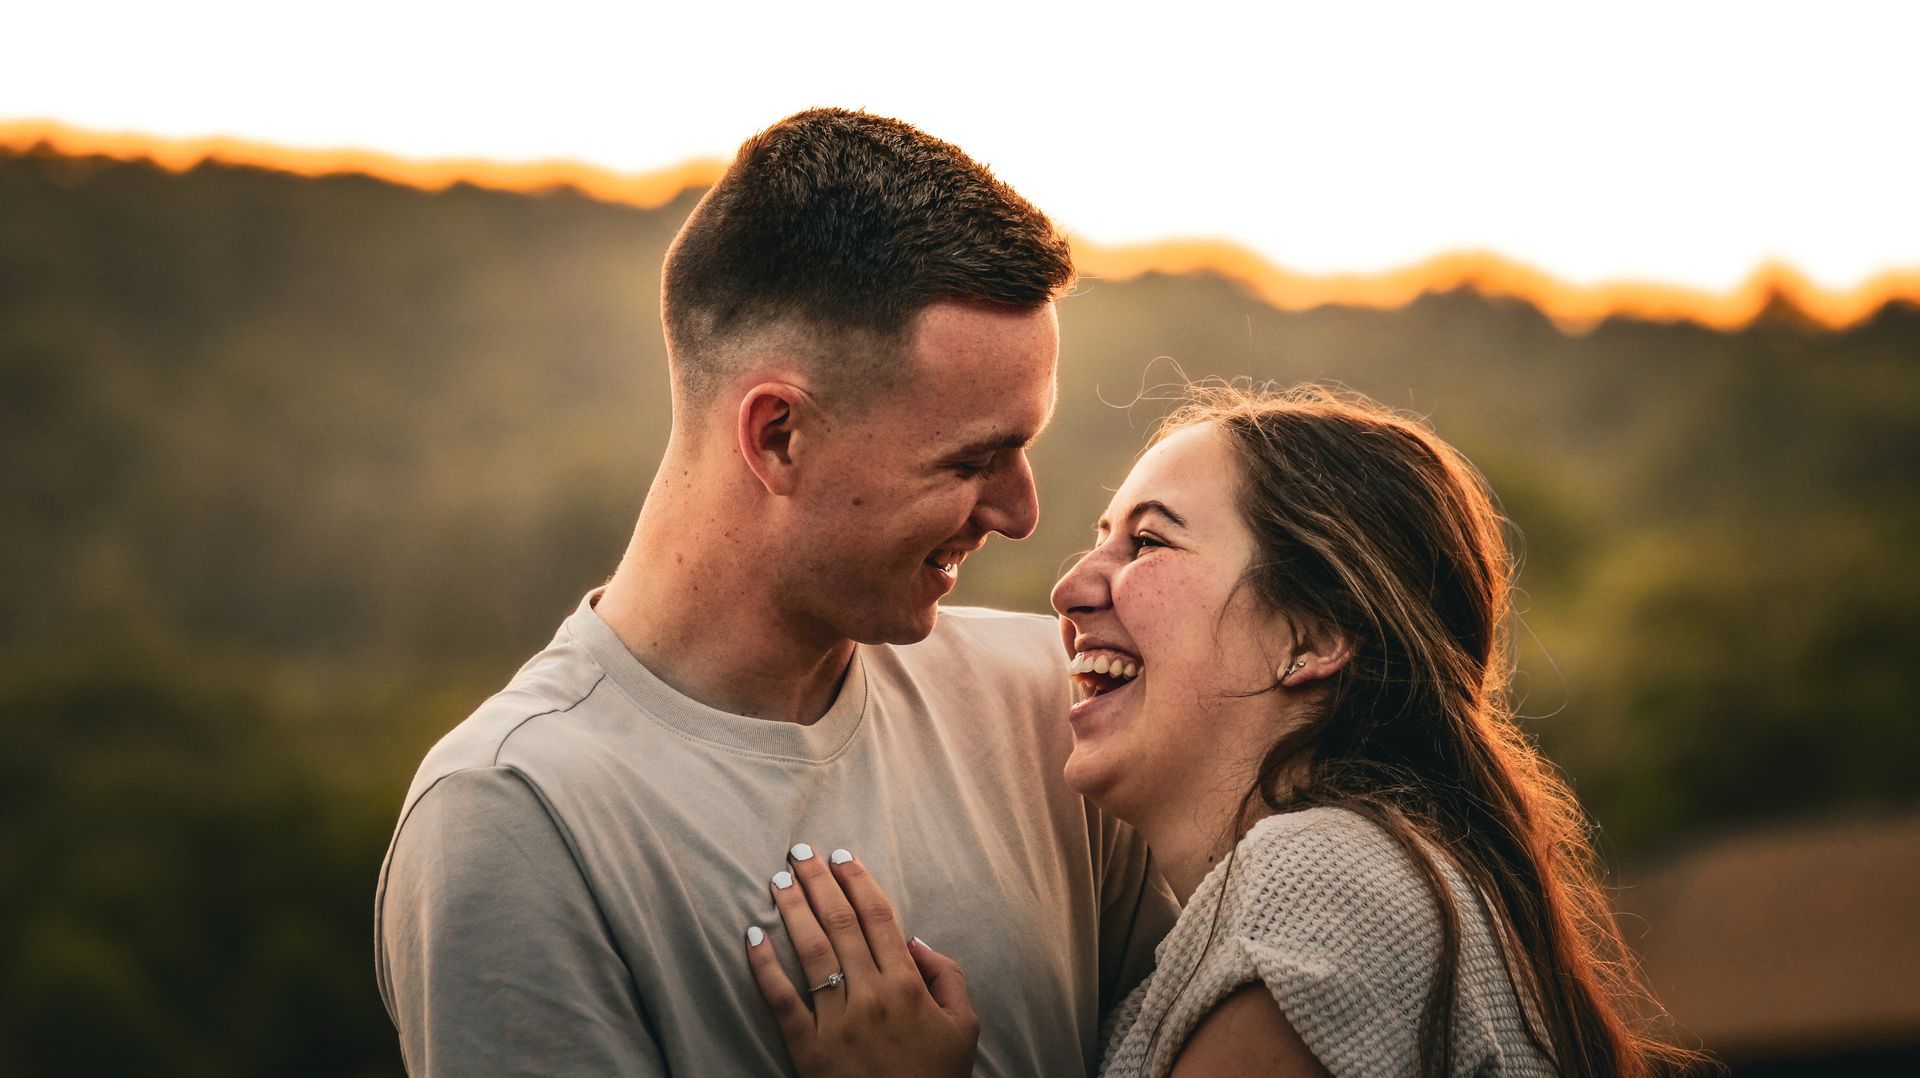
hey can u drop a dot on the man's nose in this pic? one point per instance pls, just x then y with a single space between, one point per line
1010 504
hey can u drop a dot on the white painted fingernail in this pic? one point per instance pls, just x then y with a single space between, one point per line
801 852
783 880
922 944
841 857
755 937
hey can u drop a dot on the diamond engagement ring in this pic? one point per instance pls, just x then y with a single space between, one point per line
834 980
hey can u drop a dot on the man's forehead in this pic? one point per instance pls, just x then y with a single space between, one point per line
984 377
1007 420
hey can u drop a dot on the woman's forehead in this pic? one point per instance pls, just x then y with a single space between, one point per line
1192 471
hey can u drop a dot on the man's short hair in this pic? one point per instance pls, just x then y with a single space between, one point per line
840 227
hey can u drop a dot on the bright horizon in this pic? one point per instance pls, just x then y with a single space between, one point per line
1678 145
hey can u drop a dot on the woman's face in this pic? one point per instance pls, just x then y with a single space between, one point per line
1165 644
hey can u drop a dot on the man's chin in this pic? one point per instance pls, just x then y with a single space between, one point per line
900 615
909 630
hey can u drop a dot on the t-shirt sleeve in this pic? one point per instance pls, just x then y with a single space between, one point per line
1137 908
1341 927
493 956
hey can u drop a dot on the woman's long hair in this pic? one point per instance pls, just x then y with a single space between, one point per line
1368 524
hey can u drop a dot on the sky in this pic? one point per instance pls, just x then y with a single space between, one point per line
1683 143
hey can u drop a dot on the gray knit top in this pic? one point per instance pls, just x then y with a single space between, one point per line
1327 911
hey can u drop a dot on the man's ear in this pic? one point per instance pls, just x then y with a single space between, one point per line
768 434
1318 653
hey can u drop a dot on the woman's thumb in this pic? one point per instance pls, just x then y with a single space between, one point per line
946 981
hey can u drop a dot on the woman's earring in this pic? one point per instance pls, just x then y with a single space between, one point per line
1298 664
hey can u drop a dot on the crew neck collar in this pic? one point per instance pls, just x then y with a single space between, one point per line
815 743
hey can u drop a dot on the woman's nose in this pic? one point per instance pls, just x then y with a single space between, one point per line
1083 588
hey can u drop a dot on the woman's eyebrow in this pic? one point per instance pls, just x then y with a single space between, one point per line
1101 526
1160 507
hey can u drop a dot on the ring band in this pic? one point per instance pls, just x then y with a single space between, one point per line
834 980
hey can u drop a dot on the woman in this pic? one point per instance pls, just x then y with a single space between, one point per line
1291 669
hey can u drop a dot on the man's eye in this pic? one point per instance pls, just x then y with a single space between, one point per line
972 468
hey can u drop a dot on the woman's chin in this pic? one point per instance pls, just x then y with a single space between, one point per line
1091 774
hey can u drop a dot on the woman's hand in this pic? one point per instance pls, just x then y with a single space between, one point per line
895 1008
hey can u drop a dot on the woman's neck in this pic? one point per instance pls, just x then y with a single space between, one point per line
1190 838
1188 843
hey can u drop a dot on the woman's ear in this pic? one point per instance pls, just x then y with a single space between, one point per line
768 434
1318 653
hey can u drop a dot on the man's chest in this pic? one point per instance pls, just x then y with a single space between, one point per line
987 876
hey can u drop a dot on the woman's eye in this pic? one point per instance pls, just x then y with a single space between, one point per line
1142 541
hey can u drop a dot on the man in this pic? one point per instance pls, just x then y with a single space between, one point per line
862 341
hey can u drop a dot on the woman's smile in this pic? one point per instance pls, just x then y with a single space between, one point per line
1161 591
1102 681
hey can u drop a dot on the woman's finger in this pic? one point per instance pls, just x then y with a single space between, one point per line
877 920
836 917
818 960
790 1012
947 982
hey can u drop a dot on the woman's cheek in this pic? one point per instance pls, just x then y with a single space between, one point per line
1149 595
1166 623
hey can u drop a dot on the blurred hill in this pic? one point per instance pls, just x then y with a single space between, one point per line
297 471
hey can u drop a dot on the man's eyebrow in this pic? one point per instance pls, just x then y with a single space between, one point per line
993 443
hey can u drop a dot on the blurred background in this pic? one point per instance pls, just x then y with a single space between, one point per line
298 463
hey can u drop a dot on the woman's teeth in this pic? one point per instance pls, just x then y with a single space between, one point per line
1111 665
1098 673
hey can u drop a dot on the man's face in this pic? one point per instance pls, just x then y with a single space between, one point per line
900 490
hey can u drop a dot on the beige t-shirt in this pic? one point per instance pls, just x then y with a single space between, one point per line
576 863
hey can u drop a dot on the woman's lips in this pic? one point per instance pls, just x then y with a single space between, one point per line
1086 713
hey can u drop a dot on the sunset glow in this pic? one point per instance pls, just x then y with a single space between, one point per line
1572 306
1685 146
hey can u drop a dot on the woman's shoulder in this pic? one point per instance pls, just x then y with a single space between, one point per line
1328 901
1326 909
1313 825
1331 861
1344 927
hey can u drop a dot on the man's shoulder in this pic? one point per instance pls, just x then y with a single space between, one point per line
1008 663
980 647
530 713
985 634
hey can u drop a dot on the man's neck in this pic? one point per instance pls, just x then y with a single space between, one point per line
699 612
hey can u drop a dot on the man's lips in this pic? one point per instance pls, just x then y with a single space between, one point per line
948 561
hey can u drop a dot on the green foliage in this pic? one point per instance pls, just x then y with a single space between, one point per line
187 874
1742 676
297 470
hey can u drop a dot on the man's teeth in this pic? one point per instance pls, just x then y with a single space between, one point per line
1109 665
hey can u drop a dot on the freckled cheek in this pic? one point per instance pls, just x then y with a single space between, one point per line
1163 611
